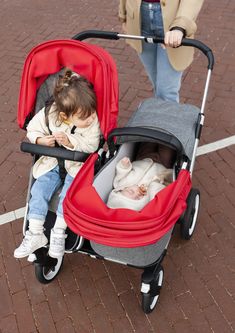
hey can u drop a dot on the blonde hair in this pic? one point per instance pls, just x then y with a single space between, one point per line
73 92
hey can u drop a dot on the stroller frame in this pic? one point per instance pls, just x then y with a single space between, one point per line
46 268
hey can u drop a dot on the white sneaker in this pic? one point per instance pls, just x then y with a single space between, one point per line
57 243
30 243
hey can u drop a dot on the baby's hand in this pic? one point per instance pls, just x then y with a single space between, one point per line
48 140
143 189
125 162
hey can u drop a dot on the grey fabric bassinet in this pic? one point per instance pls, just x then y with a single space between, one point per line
179 120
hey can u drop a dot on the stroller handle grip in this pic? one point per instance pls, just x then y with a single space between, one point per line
146 132
56 152
115 36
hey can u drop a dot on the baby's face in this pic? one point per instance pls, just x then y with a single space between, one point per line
132 192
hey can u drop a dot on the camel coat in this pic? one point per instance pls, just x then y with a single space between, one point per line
175 13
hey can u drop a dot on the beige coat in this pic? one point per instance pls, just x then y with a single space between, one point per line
176 13
84 139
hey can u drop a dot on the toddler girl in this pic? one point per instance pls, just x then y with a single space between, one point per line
71 122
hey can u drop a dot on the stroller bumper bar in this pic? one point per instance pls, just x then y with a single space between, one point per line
115 36
56 152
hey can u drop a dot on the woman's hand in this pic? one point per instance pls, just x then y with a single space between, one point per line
173 38
48 140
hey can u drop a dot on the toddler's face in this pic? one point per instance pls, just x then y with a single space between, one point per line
132 192
82 122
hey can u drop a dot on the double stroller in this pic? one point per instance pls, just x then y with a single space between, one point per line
134 238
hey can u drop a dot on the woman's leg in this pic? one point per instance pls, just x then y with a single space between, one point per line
165 79
57 237
148 56
168 80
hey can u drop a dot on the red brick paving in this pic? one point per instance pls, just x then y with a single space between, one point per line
95 296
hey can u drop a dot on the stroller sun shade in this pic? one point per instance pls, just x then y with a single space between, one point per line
90 61
87 215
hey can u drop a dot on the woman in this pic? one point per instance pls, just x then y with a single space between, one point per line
171 19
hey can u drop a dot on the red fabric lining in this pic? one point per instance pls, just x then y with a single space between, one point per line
87 215
88 60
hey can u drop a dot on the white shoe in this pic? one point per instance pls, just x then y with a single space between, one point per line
57 243
30 243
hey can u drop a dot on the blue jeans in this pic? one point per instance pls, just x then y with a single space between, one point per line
41 193
165 79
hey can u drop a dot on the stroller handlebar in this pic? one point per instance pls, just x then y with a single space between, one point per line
56 152
115 36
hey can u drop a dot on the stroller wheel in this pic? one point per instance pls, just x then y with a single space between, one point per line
189 220
151 292
46 273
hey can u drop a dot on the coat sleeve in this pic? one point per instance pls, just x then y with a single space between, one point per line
121 173
37 127
186 16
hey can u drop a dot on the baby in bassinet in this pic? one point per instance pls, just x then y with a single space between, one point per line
136 183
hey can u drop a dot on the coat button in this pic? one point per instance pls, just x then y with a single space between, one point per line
163 3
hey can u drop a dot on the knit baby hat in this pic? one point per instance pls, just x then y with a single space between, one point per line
118 200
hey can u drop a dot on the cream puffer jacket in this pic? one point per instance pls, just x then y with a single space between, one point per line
84 139
175 13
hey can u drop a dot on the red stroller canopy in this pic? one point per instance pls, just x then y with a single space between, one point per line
87 215
90 61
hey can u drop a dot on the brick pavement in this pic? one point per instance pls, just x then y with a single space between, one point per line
96 296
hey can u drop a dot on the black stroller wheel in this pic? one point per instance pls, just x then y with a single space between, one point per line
189 220
150 298
46 274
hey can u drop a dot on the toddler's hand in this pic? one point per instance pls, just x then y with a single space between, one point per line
48 140
61 138
125 162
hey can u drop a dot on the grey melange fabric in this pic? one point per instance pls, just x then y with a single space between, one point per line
136 256
46 90
179 120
